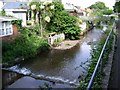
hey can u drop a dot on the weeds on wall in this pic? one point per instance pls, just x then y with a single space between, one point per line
95 55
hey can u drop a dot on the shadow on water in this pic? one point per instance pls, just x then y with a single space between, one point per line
64 65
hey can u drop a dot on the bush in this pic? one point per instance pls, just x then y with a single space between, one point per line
62 22
17 22
27 45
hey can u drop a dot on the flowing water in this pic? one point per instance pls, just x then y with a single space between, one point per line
62 66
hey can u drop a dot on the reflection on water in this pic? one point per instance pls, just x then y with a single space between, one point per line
63 64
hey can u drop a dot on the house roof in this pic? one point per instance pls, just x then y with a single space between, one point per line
68 7
15 5
7 18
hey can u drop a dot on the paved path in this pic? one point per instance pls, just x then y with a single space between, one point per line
115 74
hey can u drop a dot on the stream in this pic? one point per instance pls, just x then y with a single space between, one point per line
58 68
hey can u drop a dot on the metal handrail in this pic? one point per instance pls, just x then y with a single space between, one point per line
99 60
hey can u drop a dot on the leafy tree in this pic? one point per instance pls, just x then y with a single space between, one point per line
117 7
42 12
107 11
100 9
97 13
63 22
98 5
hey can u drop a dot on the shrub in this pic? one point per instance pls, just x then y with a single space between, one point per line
62 22
27 45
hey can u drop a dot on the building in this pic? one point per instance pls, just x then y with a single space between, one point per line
1 5
18 10
81 12
74 10
7 29
71 9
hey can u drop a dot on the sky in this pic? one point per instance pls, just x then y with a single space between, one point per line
87 3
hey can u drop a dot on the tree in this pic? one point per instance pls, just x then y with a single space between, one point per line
117 7
100 9
98 5
42 12
62 22
107 11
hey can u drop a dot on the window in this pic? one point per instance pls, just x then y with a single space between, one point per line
5 28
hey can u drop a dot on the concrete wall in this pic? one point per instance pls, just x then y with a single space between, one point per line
55 38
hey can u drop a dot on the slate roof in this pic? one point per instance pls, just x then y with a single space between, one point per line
15 5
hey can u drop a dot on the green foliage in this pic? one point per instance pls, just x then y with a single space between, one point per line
17 22
97 13
27 45
62 22
98 5
42 13
58 7
102 12
107 11
117 7
3 13
100 9
104 20
95 55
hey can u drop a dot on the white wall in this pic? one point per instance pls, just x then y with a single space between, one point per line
1 5
19 15
9 12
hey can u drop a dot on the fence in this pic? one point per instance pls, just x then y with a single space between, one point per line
55 38
99 60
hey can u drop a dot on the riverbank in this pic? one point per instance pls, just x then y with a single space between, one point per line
101 73
67 44
24 47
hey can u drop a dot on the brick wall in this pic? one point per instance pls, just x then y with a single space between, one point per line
72 13
13 36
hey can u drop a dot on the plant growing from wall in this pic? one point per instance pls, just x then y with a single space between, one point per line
95 55
3 13
18 23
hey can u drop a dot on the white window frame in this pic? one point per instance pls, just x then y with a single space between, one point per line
6 25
